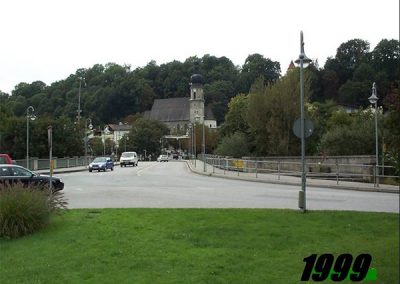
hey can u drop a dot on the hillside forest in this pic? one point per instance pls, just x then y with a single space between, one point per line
255 104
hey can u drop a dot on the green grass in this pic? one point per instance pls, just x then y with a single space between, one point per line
196 246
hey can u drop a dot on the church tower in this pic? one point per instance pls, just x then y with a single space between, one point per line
196 99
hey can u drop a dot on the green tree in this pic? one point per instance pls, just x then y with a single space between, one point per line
272 111
235 145
349 56
257 66
391 125
146 135
350 135
385 58
235 118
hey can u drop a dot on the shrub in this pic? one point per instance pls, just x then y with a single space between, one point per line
24 210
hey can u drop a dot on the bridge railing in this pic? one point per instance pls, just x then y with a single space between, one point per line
322 170
43 164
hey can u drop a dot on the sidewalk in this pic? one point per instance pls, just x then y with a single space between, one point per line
288 180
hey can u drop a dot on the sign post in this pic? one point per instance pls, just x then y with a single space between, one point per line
50 140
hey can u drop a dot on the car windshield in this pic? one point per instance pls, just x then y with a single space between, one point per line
125 155
99 160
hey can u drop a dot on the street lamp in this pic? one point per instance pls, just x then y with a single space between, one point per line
29 116
195 140
204 148
104 133
79 100
303 60
373 99
190 150
90 126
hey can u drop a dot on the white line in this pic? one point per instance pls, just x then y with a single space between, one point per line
139 173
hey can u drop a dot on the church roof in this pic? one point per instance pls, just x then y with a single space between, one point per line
173 109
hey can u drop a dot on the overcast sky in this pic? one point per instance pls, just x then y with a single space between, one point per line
48 40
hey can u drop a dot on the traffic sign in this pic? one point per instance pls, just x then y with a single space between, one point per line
308 128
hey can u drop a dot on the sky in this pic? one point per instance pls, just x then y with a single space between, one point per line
48 40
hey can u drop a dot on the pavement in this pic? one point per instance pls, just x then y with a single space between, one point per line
198 168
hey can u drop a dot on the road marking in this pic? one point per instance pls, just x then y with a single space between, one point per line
139 173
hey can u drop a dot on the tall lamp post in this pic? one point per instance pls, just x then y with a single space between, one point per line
79 100
88 125
29 116
373 99
190 133
204 148
303 60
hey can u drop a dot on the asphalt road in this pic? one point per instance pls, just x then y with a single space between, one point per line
172 185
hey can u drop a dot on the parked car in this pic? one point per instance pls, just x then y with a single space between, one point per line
162 158
101 164
128 158
10 174
6 159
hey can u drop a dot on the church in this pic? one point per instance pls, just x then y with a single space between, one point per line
179 113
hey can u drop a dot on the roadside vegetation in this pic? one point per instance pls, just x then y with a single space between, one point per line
26 210
196 246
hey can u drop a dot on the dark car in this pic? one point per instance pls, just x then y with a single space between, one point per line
101 164
10 174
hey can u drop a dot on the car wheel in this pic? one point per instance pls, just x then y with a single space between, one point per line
112 169
98 170
90 170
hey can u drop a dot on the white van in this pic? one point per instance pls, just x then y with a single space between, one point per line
128 158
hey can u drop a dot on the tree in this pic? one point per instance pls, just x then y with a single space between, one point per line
354 93
272 111
235 118
257 66
391 124
330 84
146 135
385 58
235 145
349 56
217 95
350 135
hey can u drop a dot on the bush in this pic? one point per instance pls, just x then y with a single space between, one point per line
24 210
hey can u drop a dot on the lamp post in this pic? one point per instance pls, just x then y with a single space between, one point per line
190 133
303 60
90 126
104 133
79 100
204 148
373 99
29 116
195 140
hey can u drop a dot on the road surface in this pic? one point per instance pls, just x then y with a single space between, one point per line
172 185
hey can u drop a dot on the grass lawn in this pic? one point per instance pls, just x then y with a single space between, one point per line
196 246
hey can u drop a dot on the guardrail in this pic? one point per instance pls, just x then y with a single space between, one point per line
333 171
36 164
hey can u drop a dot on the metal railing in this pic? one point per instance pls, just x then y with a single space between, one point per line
44 164
333 171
